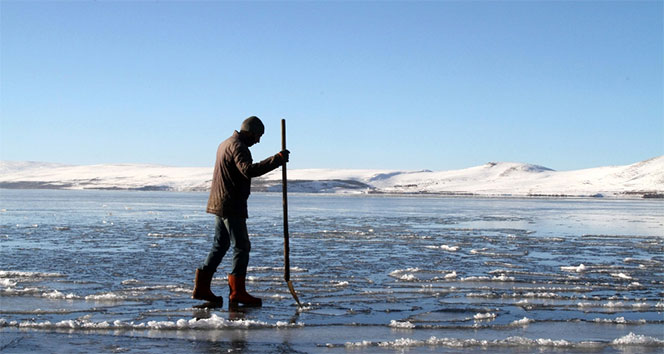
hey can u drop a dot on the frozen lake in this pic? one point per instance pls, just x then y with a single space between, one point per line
112 271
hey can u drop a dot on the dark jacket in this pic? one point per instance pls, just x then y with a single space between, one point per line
231 180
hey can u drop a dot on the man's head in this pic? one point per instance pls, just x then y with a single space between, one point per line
253 128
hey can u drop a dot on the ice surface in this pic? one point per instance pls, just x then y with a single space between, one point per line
371 272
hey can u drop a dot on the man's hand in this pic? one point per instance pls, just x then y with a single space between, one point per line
284 155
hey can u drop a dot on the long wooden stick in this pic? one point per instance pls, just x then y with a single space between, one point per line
284 181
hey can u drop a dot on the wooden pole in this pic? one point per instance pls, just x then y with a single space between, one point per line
284 182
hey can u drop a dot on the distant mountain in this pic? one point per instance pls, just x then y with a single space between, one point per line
642 179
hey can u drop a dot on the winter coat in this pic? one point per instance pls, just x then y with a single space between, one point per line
231 180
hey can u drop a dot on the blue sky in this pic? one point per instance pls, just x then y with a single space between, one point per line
393 85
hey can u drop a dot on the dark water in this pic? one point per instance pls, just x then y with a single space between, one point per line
94 271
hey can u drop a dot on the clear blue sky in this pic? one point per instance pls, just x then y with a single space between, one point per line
396 85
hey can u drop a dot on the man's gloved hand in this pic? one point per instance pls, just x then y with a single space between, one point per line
284 155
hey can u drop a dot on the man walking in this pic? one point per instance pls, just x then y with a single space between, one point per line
231 182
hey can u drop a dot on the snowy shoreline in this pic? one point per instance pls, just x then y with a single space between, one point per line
643 179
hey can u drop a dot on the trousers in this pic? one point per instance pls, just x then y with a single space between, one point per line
229 231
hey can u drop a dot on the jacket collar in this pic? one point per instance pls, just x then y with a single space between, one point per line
243 138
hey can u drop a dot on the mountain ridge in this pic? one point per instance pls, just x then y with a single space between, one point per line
640 179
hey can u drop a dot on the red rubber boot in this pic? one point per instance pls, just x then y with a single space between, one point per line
238 293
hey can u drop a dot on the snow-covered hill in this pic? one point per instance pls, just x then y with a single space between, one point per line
644 178
108 176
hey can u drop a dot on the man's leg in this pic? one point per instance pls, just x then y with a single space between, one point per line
205 272
220 246
237 228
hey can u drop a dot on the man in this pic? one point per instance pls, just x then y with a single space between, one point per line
231 182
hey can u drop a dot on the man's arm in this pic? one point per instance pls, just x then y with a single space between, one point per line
249 169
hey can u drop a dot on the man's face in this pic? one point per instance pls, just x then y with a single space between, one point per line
255 139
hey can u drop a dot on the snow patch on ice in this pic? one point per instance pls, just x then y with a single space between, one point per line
339 283
484 316
55 294
452 275
510 342
106 297
405 274
621 276
276 269
501 278
405 324
7 283
17 274
578 269
522 322
213 322
632 339
444 248
619 320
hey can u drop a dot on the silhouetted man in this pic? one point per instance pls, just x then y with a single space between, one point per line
231 182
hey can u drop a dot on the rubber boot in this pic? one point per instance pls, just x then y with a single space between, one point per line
238 293
202 287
